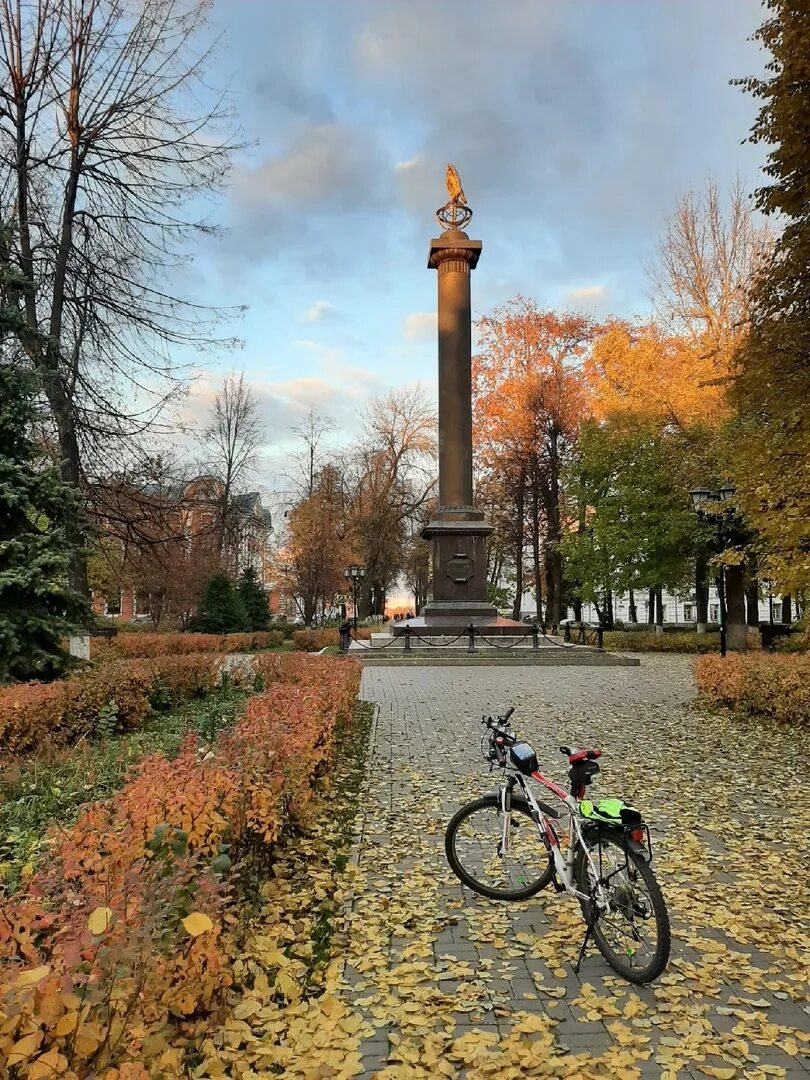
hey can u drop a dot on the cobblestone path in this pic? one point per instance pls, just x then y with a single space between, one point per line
455 985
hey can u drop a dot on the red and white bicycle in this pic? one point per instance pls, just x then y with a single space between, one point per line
506 846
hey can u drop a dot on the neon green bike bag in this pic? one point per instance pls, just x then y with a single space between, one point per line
610 811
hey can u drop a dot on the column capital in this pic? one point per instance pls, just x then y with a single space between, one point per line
454 250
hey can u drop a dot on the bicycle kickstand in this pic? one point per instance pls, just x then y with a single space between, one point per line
583 946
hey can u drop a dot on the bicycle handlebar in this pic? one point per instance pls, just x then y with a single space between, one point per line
498 721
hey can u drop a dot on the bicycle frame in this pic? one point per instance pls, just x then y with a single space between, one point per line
563 865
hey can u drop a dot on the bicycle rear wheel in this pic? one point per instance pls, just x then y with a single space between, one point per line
634 937
472 844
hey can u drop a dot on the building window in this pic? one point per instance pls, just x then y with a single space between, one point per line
663 613
113 606
141 604
714 612
687 613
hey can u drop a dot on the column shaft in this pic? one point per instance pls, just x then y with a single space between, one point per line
455 385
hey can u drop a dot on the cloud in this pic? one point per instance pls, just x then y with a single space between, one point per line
319 311
302 198
587 294
411 163
420 326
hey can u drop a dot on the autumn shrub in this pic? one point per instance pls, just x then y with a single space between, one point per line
116 944
124 691
136 645
686 641
315 640
771 685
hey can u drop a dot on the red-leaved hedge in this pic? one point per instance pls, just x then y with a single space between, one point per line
770 685
315 640
136 644
115 946
33 715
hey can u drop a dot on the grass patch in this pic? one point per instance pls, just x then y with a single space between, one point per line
38 793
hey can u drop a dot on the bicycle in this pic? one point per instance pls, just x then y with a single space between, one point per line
606 865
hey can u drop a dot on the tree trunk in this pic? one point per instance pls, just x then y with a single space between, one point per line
651 607
519 525
701 593
576 604
659 610
538 591
786 605
70 470
633 612
752 603
607 622
736 630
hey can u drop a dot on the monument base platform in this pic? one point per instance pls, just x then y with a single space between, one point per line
456 620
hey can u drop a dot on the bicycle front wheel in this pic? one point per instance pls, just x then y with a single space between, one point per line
473 844
634 936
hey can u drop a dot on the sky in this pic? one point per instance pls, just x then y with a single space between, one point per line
575 126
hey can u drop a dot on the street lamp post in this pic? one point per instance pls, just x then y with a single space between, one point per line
355 575
700 498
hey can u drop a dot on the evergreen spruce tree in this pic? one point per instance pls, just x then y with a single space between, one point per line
254 599
36 609
221 610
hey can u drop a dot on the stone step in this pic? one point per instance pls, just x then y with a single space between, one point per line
582 656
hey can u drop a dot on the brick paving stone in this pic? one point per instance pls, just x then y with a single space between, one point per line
425 746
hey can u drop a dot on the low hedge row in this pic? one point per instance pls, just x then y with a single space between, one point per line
118 695
131 645
687 641
115 948
314 640
772 685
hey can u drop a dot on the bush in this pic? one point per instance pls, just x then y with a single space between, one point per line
130 645
33 715
314 640
683 642
759 684
119 935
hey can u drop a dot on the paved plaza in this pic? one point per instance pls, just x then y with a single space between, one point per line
455 985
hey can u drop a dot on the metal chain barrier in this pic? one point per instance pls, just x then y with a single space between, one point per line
511 645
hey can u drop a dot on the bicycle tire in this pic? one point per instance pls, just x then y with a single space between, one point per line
663 943
451 834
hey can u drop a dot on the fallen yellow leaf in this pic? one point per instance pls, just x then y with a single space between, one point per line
197 923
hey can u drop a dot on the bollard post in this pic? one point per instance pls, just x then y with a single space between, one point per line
471 647
535 637
407 639
600 636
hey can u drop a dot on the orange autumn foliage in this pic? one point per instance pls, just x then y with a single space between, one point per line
128 645
641 371
145 860
34 715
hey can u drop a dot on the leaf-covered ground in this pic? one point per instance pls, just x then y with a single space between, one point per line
390 968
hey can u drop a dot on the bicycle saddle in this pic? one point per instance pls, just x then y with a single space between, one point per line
574 754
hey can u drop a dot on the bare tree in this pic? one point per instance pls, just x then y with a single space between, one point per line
707 260
231 444
394 476
308 462
109 140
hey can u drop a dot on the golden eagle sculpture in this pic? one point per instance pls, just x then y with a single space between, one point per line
456 213
454 188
